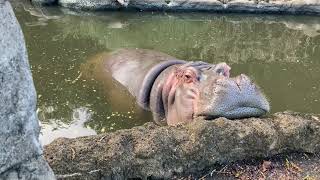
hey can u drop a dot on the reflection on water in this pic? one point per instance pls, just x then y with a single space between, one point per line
281 53
55 128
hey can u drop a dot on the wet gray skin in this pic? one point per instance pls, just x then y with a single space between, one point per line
184 91
236 97
176 91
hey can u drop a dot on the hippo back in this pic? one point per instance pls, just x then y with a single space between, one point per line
137 69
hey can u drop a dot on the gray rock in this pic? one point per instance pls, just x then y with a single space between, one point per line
19 128
91 5
256 6
34 168
163 152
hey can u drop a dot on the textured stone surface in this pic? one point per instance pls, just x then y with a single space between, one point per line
257 6
162 152
34 168
19 128
93 5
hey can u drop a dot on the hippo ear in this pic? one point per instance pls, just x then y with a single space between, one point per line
222 69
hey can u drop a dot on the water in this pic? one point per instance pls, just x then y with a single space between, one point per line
281 54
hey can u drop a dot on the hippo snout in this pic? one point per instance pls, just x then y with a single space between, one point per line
234 98
250 100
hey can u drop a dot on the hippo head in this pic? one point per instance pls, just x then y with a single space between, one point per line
201 89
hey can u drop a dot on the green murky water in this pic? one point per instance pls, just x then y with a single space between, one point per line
281 53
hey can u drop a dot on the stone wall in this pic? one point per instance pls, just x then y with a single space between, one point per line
253 6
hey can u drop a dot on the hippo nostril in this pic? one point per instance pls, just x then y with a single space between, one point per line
238 81
244 77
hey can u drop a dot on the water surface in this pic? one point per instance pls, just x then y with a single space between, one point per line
281 54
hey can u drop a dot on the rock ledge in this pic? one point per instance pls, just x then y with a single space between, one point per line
163 152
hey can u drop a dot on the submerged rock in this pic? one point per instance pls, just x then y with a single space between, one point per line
257 6
20 150
163 152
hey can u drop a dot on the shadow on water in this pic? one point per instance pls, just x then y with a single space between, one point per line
281 53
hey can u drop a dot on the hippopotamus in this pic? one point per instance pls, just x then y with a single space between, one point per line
176 91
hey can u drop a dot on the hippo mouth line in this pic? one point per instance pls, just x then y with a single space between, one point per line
237 113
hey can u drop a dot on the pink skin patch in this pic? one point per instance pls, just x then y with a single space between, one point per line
179 94
227 71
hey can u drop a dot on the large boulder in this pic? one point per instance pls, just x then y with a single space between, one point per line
20 150
163 152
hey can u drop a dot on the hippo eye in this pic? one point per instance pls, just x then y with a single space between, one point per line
188 78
